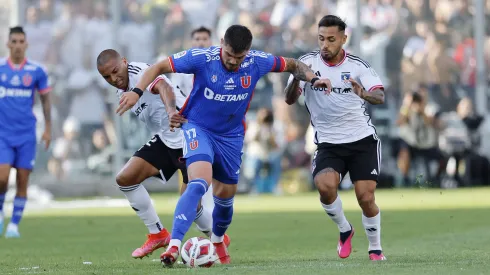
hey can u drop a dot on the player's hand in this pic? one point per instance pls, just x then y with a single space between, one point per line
358 89
324 83
128 99
175 120
46 138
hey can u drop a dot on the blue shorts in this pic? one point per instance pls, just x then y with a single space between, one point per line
19 151
224 153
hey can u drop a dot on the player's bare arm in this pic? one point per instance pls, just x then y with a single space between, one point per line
166 92
129 99
46 103
303 72
292 91
375 97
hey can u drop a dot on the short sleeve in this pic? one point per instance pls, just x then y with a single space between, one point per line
188 62
370 79
268 63
42 84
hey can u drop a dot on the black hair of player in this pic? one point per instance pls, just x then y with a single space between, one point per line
239 38
107 55
201 29
417 97
17 29
332 21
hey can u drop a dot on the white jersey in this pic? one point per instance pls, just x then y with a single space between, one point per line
340 117
184 82
150 108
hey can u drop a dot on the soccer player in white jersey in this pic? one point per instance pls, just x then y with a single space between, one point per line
346 140
160 157
200 38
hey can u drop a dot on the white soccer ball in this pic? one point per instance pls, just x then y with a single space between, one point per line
198 252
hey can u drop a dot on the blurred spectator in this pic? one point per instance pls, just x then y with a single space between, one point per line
418 135
264 151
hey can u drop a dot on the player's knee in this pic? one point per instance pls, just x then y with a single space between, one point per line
124 179
325 185
365 199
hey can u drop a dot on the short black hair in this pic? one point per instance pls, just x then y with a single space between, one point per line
106 55
201 29
239 38
332 21
17 29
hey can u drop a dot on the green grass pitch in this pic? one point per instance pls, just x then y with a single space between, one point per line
423 232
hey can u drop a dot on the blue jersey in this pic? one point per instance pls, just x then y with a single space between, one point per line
18 84
220 98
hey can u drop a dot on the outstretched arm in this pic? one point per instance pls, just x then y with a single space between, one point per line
46 103
162 67
167 95
299 70
374 97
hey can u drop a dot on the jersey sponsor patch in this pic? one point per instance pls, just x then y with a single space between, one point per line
179 55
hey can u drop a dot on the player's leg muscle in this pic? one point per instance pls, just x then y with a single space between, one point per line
365 197
223 190
4 177
135 171
327 181
22 182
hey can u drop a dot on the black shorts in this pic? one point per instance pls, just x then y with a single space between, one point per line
362 158
163 158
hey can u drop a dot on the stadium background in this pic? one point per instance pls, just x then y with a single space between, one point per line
431 43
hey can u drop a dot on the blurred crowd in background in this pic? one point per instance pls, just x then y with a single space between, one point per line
423 50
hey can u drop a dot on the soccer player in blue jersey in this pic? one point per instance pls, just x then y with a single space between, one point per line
213 123
19 80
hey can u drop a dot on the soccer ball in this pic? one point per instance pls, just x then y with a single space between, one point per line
198 252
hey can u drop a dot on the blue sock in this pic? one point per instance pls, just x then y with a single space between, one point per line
19 204
2 200
222 215
185 211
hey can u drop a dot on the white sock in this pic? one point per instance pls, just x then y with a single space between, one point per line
372 226
204 221
216 239
175 242
336 213
140 201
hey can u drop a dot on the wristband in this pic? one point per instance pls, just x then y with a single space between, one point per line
138 91
313 80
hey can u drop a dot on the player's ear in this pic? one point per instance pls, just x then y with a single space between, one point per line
124 60
222 42
344 39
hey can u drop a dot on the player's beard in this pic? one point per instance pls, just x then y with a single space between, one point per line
329 56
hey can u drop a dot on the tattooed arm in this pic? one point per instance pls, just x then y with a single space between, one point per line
299 70
292 91
375 97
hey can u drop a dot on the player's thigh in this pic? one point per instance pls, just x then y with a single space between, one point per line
227 160
146 162
328 167
366 161
25 153
197 152
7 155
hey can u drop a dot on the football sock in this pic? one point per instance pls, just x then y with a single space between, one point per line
222 216
185 211
204 221
17 212
140 201
336 213
372 226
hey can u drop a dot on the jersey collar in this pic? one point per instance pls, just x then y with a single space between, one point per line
16 66
334 65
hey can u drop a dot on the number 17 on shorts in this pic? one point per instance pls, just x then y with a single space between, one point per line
196 143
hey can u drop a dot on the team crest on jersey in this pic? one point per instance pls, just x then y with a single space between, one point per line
27 80
344 76
214 78
246 81
193 144
179 55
